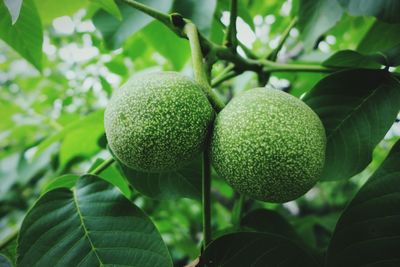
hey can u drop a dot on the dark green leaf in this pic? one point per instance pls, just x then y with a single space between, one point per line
115 32
4 261
380 37
255 249
385 10
14 7
392 56
270 221
200 12
92 225
316 17
353 59
357 108
25 36
368 232
185 182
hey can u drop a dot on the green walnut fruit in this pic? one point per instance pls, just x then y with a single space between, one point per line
268 145
158 121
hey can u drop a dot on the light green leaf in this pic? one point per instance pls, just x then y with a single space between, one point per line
115 32
110 6
357 108
316 17
50 9
82 142
173 48
367 233
91 225
92 119
14 7
25 36
113 176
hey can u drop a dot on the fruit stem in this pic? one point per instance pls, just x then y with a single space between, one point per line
104 165
198 66
206 198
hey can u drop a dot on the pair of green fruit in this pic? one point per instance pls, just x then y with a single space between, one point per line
266 143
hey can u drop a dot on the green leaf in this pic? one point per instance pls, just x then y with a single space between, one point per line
367 232
4 261
64 181
380 37
83 141
110 6
113 176
14 7
392 56
255 249
185 182
200 12
385 10
357 108
270 221
353 59
25 36
10 250
316 17
50 9
173 48
115 32
92 225
93 118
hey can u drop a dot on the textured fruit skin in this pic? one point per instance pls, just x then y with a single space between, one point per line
268 145
158 121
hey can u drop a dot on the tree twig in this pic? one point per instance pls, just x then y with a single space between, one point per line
274 54
231 38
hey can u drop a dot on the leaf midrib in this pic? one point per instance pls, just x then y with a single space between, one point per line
85 230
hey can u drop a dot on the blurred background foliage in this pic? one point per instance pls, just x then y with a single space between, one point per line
51 110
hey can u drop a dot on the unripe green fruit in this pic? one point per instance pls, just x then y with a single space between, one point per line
158 121
268 145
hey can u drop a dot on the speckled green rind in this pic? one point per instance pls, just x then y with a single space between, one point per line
268 145
158 121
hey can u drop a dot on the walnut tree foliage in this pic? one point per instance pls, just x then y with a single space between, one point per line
66 199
